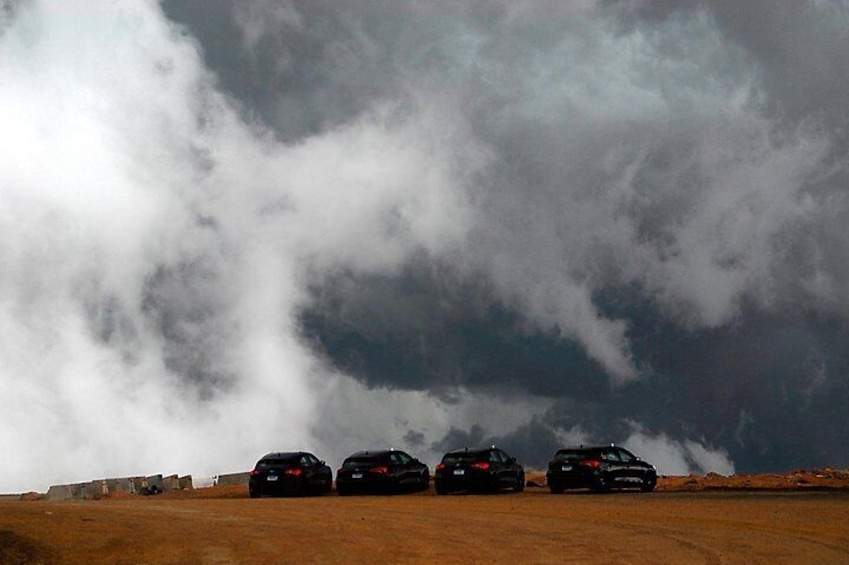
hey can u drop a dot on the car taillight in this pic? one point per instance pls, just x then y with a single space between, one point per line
440 467
255 472
480 466
294 472
594 463
382 470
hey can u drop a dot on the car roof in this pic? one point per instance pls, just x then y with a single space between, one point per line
374 453
472 450
588 447
283 454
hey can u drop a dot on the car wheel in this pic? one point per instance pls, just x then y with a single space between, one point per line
441 489
342 491
425 481
520 483
255 493
648 485
556 488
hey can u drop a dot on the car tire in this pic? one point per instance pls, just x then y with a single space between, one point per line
520 483
342 491
556 488
255 493
648 485
441 489
425 481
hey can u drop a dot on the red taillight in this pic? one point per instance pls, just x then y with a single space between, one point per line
294 472
254 472
382 470
480 466
594 463
440 467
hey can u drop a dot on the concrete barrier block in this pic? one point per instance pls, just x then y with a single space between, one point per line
59 492
124 485
93 490
78 491
171 482
234 479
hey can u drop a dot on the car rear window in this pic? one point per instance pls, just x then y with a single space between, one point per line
574 454
277 462
462 457
359 461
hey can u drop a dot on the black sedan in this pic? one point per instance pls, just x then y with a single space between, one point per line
298 472
600 468
480 469
382 471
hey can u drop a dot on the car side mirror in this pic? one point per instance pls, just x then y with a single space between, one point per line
511 460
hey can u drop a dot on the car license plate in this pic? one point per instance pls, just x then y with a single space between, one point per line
566 468
271 478
459 472
356 475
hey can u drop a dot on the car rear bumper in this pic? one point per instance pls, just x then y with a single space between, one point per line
572 479
283 485
470 482
367 483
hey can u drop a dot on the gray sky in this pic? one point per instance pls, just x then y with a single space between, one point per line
233 227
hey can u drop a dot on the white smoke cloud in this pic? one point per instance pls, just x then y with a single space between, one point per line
118 148
156 247
674 457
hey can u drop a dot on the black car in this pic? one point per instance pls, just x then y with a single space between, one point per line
478 469
382 471
298 472
600 468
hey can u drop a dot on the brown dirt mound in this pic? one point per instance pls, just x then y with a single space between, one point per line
20 550
817 479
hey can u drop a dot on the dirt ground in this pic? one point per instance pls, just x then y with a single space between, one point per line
689 520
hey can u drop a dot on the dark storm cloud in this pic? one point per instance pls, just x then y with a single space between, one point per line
302 68
801 50
427 330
